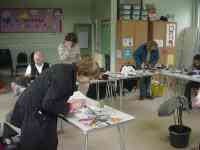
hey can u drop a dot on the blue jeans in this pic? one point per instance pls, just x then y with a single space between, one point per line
145 83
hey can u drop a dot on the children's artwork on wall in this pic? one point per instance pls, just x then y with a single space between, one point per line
159 42
31 20
171 35
127 42
127 54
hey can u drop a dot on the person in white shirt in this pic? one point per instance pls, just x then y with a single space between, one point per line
38 66
32 71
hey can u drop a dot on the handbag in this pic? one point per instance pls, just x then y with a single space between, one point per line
9 137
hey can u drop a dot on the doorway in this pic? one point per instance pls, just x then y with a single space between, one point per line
105 42
84 34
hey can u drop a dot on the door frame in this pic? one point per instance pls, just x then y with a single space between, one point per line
77 28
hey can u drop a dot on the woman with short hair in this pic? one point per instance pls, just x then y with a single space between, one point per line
69 50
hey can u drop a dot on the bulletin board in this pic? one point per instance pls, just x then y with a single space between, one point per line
31 20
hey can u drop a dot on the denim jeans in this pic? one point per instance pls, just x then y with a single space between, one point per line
145 83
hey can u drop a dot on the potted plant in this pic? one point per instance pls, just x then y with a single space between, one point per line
178 133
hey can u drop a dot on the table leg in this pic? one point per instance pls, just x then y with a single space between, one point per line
85 146
121 137
121 93
61 126
97 90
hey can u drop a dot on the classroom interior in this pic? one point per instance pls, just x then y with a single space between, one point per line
109 31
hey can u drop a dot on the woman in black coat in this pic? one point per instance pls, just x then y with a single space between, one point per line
37 109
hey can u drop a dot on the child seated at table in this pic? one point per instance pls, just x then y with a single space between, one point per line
191 85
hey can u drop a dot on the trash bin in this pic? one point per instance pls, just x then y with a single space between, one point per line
158 89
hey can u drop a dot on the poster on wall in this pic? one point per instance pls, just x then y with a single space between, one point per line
127 54
171 35
127 42
159 42
31 20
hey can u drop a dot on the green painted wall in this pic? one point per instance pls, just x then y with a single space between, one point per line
75 11
100 9
105 38
100 13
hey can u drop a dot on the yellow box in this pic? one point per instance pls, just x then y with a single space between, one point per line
158 89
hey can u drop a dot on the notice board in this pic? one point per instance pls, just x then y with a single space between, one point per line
31 20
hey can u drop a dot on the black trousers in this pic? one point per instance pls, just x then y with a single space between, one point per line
188 90
39 134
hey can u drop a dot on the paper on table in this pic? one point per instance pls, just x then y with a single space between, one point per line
77 95
80 96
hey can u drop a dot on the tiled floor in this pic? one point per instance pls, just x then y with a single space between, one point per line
146 132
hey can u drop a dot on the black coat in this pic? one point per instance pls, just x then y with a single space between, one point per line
37 108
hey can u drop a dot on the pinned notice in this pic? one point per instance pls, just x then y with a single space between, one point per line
170 60
159 42
127 42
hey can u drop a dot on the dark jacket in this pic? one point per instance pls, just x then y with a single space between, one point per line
140 55
37 108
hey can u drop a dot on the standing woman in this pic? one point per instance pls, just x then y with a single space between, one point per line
69 50
69 53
